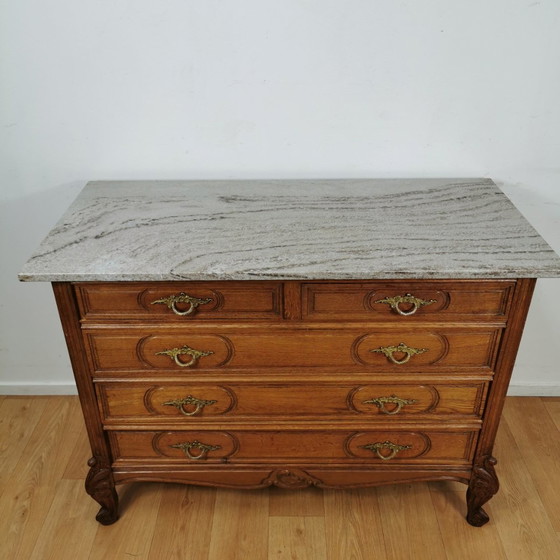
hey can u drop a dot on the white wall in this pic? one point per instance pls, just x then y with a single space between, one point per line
101 89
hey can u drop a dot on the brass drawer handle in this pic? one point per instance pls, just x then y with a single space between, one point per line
378 446
199 404
380 402
204 448
174 354
172 301
395 301
402 348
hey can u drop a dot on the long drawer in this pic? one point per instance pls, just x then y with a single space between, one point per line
390 349
187 403
279 446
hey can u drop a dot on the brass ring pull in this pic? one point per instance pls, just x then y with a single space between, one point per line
204 448
380 402
401 348
199 404
416 303
174 354
394 448
172 302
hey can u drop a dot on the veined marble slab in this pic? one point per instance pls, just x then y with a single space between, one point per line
296 229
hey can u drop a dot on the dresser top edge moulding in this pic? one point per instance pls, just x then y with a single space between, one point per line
309 229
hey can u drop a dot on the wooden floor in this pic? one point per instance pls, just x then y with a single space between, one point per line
45 513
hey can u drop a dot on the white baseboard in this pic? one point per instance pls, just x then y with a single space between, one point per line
533 390
69 388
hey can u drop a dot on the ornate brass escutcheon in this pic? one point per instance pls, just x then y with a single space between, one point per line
173 300
378 446
402 348
395 302
180 404
380 402
203 447
174 354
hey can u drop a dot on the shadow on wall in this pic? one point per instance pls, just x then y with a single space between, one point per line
541 208
536 370
32 348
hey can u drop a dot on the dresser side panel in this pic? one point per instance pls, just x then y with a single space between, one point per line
504 366
70 320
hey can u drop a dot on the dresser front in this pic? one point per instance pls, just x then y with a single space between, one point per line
251 384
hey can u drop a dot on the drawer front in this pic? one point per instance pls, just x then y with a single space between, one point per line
188 403
407 301
383 350
180 301
280 446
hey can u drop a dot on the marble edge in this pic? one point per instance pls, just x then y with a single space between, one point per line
295 180
437 275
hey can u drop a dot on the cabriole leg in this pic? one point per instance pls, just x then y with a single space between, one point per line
483 485
101 487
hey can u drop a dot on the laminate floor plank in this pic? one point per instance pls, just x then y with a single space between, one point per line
536 435
461 541
29 492
353 525
301 538
77 467
298 503
46 513
523 524
131 536
240 525
184 523
67 533
409 522
553 408
18 419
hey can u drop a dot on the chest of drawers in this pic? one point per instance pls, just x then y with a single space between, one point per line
204 353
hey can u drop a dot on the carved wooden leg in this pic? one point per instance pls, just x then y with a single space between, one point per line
483 485
101 487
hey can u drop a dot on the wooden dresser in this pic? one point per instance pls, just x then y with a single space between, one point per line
292 333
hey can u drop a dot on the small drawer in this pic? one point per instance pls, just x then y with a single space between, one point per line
189 403
390 349
180 301
481 300
295 446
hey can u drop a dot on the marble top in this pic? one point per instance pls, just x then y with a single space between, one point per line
291 229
